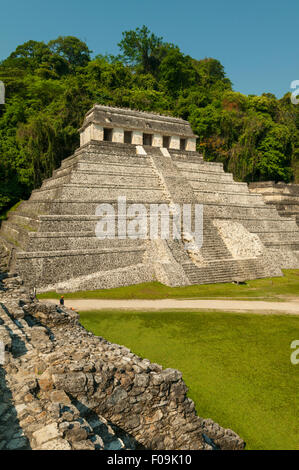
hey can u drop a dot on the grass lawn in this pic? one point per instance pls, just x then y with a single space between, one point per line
237 366
276 288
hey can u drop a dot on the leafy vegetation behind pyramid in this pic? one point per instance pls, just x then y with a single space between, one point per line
50 87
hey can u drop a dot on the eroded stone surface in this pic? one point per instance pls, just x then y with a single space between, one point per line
64 388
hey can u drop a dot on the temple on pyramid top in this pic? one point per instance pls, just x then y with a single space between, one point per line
103 123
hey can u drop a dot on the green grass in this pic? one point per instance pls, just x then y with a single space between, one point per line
276 288
5 214
237 366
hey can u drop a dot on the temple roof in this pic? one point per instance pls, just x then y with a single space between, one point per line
129 119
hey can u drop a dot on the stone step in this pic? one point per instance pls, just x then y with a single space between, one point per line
84 178
103 147
61 207
58 241
117 168
14 234
271 186
228 198
105 157
236 210
133 167
73 192
219 186
202 166
289 245
275 225
279 237
112 178
279 199
87 223
16 328
294 208
208 176
27 222
285 214
65 238
283 191
184 154
56 266
225 271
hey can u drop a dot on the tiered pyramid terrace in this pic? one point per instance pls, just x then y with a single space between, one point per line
52 235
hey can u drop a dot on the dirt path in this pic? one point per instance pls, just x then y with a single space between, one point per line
291 308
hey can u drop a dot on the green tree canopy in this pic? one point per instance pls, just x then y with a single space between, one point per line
71 49
141 48
50 86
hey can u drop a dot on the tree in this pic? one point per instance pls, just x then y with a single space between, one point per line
38 57
50 87
72 49
210 71
275 153
28 55
141 48
176 71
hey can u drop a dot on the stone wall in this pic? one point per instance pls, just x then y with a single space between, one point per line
283 196
64 388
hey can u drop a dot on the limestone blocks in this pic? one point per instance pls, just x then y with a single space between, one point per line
83 392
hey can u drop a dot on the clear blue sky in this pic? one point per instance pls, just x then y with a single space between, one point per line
256 40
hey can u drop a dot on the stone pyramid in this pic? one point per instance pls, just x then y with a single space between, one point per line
147 159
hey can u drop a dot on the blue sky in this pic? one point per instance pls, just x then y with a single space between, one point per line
256 41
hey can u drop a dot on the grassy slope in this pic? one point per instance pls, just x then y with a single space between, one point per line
276 288
237 366
5 214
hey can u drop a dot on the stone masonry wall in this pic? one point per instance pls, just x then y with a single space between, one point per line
283 196
64 388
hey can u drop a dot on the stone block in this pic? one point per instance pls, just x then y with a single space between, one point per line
45 434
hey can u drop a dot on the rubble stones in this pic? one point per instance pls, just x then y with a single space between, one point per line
65 389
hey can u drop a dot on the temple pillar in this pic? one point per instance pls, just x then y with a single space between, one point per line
91 132
137 138
174 142
96 132
157 140
191 145
85 135
118 135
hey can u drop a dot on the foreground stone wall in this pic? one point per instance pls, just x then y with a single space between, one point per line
64 388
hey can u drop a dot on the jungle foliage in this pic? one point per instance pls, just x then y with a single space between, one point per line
50 87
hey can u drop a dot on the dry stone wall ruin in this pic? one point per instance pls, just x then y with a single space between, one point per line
284 197
62 388
148 159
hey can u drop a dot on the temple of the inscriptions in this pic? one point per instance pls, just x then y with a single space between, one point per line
147 160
